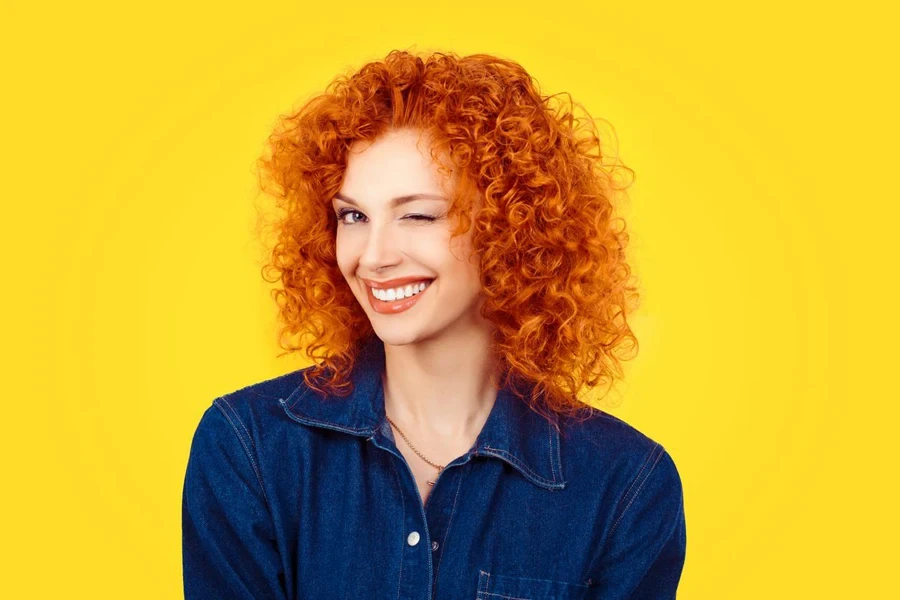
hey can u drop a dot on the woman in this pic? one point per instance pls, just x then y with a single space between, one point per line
448 249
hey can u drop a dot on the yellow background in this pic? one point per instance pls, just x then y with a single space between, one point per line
763 217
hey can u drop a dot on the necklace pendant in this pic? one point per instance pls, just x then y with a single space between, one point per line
440 469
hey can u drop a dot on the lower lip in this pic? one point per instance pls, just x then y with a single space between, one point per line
395 306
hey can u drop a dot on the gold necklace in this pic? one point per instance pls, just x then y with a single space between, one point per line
438 467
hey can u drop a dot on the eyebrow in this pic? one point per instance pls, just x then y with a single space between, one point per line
396 201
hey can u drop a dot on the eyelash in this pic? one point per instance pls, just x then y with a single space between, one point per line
344 211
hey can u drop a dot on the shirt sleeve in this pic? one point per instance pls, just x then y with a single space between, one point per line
228 536
646 547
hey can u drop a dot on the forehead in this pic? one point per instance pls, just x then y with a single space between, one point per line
395 164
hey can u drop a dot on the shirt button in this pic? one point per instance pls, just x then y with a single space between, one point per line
413 538
434 545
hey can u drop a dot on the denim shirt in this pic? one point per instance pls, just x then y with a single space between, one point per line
292 495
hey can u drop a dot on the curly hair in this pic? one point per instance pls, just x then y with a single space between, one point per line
553 268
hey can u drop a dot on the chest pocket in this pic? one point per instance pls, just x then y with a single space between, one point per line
492 586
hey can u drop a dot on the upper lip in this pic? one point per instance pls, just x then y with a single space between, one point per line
393 283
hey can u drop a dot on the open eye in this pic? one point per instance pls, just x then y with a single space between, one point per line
344 211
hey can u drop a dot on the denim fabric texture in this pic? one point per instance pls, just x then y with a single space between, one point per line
289 494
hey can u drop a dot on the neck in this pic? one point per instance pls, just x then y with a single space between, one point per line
440 390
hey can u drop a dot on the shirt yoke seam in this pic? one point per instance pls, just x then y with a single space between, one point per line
641 485
246 444
636 478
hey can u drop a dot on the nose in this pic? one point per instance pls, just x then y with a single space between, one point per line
380 249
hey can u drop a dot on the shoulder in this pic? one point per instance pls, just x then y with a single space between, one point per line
598 446
597 429
253 408
277 387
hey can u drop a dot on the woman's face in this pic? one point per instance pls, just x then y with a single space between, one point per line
381 239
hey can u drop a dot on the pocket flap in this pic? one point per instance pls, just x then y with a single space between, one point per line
493 586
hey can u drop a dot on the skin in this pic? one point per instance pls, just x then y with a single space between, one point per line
440 378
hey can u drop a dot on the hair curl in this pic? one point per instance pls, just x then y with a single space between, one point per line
553 267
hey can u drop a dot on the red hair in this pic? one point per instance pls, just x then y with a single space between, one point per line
553 267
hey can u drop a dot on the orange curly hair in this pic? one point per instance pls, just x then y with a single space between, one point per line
553 266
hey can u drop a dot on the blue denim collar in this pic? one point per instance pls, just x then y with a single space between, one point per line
513 431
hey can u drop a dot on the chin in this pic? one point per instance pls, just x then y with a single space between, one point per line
396 337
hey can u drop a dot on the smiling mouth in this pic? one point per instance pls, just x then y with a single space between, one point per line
395 306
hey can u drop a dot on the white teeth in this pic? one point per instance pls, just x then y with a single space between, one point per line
399 293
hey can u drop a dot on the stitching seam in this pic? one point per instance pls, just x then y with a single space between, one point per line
243 443
512 458
450 521
636 477
638 491
403 524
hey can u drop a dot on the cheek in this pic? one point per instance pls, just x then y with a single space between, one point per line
344 252
464 278
345 264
